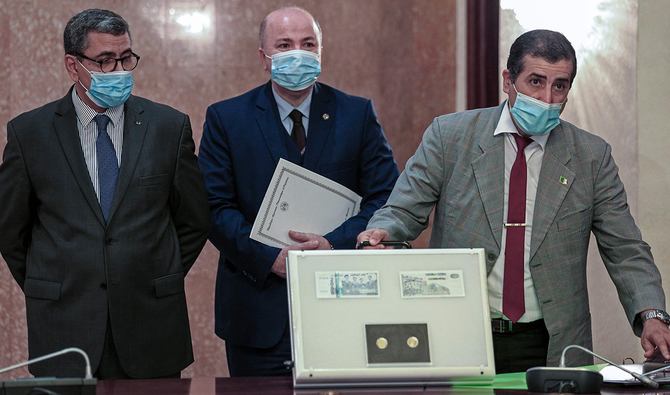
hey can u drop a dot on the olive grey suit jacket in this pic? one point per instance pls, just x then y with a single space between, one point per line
459 170
75 270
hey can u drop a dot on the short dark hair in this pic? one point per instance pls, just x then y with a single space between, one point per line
75 37
264 23
546 44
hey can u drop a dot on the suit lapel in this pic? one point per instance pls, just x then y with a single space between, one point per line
268 121
321 120
134 129
555 182
65 126
489 170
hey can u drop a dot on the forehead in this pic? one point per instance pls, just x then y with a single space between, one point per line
290 24
539 66
105 43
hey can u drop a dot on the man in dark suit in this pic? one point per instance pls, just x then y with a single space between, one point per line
243 140
464 169
104 212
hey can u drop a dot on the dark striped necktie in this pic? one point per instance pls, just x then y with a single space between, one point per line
108 167
298 132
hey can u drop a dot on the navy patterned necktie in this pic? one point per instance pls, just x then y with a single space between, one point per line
108 165
298 133
514 305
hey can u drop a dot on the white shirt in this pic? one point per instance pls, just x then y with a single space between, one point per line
88 134
534 153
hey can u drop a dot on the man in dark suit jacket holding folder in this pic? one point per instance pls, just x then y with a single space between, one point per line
310 124
104 211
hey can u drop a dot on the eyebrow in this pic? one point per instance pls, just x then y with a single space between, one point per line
287 39
112 54
544 77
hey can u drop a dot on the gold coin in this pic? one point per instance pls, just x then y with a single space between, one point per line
412 342
382 343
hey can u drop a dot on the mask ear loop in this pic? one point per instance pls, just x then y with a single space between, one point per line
509 106
79 79
82 65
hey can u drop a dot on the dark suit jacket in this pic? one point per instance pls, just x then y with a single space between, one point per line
459 170
242 143
75 270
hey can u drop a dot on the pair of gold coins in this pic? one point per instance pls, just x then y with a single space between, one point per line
412 342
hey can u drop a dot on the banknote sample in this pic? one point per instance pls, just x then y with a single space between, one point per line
351 284
432 284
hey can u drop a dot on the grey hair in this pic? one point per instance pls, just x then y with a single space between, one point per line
75 37
261 35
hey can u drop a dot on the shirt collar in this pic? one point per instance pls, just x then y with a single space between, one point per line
285 108
85 113
506 125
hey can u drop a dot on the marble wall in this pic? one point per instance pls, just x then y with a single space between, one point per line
399 53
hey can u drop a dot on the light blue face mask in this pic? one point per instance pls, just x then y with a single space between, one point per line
109 89
295 70
533 116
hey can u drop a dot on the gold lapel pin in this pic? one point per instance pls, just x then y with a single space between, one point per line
563 180
138 123
326 117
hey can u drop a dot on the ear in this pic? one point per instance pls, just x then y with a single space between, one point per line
71 67
263 59
507 81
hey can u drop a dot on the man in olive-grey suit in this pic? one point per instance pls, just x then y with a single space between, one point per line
104 211
463 168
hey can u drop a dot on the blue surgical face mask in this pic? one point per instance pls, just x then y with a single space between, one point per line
295 70
533 116
109 89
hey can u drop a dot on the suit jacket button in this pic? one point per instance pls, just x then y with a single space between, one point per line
492 256
109 240
103 286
